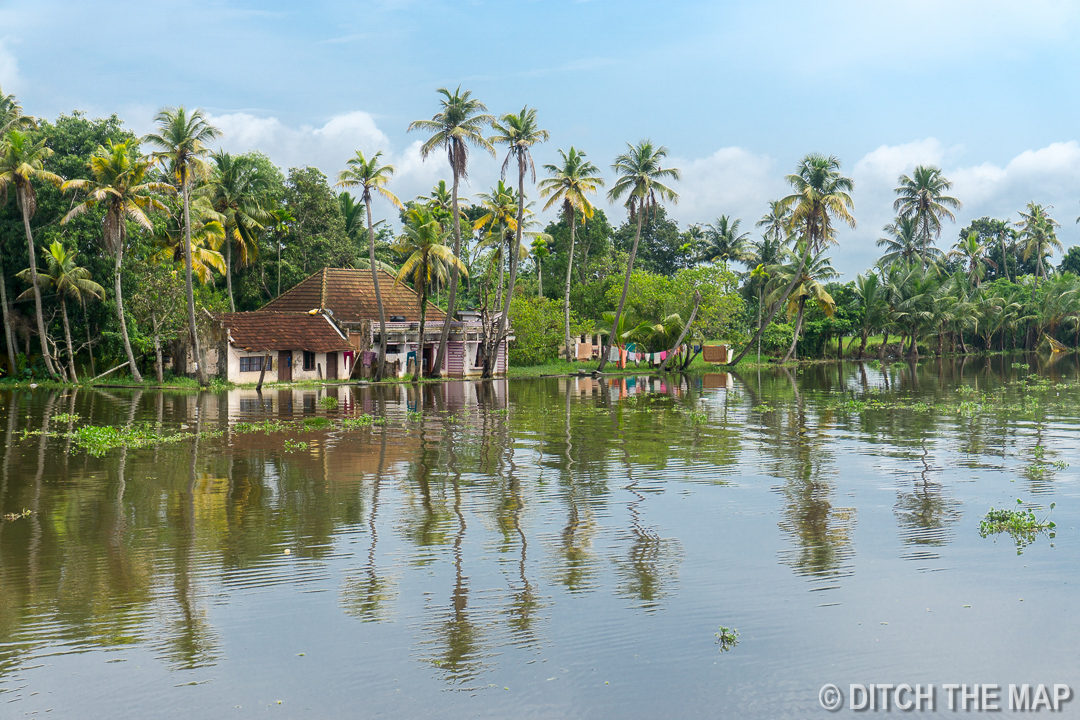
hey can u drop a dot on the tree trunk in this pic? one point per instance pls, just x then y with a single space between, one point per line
881 348
9 337
420 337
760 292
451 301
1004 259
913 350
862 347
278 268
120 308
200 363
566 290
159 370
34 283
505 317
792 353
776 308
67 339
685 330
89 338
380 366
228 269
625 290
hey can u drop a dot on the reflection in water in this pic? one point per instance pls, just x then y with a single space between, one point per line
463 519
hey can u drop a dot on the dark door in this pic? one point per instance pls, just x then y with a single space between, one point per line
331 366
284 366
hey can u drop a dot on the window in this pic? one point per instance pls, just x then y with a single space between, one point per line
309 360
254 363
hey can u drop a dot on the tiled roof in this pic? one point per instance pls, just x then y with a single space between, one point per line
350 294
262 330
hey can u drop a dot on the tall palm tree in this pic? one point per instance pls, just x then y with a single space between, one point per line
902 242
120 184
820 192
459 123
641 178
428 264
871 294
570 183
1037 235
235 191
279 224
922 196
776 223
207 237
519 133
724 242
182 137
353 213
972 255
500 218
69 280
22 162
807 274
370 176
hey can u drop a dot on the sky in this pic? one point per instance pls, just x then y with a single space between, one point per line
737 91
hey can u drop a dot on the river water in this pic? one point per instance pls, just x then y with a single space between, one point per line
542 548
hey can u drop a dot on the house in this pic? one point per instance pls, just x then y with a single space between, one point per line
347 297
292 345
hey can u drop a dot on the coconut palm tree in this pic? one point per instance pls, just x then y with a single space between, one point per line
807 274
776 223
541 250
820 192
22 163
875 306
370 176
70 281
1037 235
500 218
182 137
641 178
922 196
11 115
724 242
279 224
972 255
902 242
207 237
120 184
571 181
519 133
353 213
236 189
460 122
428 264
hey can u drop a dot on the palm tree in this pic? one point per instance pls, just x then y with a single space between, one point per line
540 251
519 133
776 222
353 213
570 182
370 176
207 237
972 254
807 274
279 223
875 307
922 197
724 242
1037 235
820 191
69 280
11 115
641 177
429 263
902 243
22 162
119 184
182 137
459 123
500 218
235 192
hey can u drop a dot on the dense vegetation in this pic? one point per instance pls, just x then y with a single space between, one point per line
95 270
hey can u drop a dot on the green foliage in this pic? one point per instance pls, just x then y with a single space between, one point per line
660 249
1022 525
538 328
1070 263
727 638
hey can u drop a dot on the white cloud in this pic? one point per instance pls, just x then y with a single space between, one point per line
10 81
732 181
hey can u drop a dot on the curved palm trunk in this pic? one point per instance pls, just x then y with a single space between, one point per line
200 364
136 376
420 337
566 290
67 339
622 298
682 335
913 351
37 289
791 353
884 342
491 362
380 367
228 270
89 339
436 370
8 335
776 308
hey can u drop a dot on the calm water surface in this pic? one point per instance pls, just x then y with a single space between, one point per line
551 548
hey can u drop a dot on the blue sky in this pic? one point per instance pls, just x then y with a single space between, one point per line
738 92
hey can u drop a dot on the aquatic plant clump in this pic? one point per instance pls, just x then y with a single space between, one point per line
98 440
1022 525
727 638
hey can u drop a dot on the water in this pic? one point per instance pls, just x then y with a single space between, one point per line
540 548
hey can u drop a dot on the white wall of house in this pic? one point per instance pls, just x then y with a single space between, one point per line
298 371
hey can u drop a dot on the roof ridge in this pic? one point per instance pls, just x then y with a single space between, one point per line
289 291
322 294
